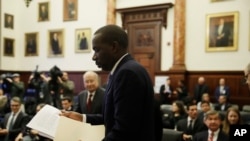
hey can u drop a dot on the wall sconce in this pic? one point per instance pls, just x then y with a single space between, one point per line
27 2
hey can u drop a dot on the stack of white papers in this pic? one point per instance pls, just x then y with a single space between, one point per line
50 124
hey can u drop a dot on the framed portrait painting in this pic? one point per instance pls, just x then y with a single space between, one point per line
222 32
43 12
31 44
82 40
8 21
56 43
70 10
9 47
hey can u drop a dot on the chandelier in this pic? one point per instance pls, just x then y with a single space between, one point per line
27 2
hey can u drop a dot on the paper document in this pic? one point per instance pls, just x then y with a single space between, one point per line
59 128
46 121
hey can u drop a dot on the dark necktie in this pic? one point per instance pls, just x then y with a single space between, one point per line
190 126
11 122
89 102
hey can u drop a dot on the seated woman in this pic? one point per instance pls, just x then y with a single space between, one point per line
232 117
178 112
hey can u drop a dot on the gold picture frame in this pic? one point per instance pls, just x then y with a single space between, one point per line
222 32
82 40
219 0
56 43
8 21
31 44
43 12
9 47
70 10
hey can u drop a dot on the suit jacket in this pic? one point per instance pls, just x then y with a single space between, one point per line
164 95
199 90
217 92
217 107
96 107
19 124
222 42
203 136
198 126
129 104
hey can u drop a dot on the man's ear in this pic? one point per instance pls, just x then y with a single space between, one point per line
115 46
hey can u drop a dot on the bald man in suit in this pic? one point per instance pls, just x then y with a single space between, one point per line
93 92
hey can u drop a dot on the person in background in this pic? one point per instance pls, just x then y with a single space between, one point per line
178 112
222 89
232 117
222 104
29 134
17 86
214 133
89 101
181 91
166 91
205 97
3 104
128 112
200 89
191 124
13 122
67 86
67 104
205 107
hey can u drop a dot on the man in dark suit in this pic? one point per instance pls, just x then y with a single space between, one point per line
166 91
222 34
128 112
222 104
190 125
222 89
66 103
92 92
200 89
214 133
13 122
56 49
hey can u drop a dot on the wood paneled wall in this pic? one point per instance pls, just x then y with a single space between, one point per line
234 79
239 93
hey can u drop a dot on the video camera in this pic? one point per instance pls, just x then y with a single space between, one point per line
6 86
54 73
36 81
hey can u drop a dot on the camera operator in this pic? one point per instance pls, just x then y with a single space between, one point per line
66 86
17 86
36 92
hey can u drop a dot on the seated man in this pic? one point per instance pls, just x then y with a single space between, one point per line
205 107
67 104
214 133
223 104
29 134
192 124
90 100
13 122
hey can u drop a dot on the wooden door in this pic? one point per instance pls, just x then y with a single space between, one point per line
144 44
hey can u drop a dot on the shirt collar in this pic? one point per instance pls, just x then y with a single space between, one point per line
116 64
215 132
